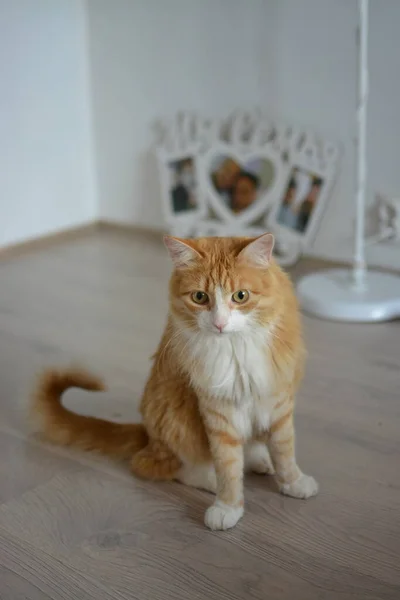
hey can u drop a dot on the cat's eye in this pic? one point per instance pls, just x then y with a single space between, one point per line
199 297
240 297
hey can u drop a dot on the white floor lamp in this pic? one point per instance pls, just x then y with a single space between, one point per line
357 294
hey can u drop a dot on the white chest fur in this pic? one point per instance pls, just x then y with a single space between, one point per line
234 369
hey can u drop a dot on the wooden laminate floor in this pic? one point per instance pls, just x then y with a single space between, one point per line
75 526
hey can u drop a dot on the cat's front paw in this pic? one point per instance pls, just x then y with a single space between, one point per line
222 516
304 487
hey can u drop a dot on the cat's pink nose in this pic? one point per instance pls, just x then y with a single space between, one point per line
220 325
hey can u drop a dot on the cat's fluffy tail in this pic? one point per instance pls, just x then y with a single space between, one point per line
66 428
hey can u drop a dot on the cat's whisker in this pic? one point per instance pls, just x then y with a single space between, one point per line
277 337
175 335
169 343
190 341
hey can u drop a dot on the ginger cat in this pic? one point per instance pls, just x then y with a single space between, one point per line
220 396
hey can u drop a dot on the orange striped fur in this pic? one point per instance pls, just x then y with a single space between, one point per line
220 395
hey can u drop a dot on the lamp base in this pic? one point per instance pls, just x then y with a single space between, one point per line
333 295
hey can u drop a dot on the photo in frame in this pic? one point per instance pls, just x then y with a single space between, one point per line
240 184
299 199
181 196
297 214
182 185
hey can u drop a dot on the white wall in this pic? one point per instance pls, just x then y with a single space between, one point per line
152 58
46 177
314 78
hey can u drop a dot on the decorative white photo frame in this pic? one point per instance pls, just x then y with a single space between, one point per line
182 200
214 228
193 153
295 218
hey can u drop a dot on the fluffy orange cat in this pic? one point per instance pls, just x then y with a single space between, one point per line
220 396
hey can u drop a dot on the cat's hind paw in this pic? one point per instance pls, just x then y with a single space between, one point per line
304 487
221 516
257 459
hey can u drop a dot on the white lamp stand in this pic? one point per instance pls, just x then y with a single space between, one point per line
336 296
357 294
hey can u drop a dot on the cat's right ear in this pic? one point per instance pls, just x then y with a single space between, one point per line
180 251
258 252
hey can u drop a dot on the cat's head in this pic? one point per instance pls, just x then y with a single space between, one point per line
221 286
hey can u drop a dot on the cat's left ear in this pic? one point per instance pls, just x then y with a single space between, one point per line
181 252
258 252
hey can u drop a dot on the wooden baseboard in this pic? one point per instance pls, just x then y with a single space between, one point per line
50 239
306 264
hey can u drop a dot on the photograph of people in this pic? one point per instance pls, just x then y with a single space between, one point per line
244 191
301 196
224 175
308 204
287 214
241 185
183 185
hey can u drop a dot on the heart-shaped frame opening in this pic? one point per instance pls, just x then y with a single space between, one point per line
241 186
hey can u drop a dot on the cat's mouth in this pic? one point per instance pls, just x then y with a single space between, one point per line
215 333
221 333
